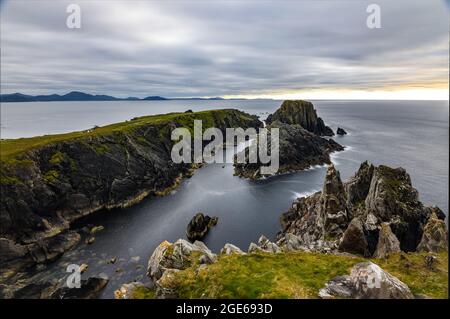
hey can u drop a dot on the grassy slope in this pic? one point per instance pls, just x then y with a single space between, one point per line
11 148
301 275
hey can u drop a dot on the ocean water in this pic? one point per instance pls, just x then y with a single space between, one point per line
410 134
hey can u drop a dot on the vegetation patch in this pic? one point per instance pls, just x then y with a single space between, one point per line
300 275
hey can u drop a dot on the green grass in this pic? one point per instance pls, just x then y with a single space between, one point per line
143 293
11 148
300 275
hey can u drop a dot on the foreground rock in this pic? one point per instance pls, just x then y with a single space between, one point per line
126 291
299 149
387 242
178 255
264 245
301 113
377 212
366 281
199 226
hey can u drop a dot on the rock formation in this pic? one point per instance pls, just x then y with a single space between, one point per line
366 281
435 236
176 256
341 131
387 242
199 226
301 113
299 149
376 212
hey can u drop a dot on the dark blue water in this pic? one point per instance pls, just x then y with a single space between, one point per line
411 134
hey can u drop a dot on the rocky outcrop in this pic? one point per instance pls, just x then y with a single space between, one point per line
230 249
387 242
299 149
341 131
301 113
366 281
354 240
48 182
351 216
435 236
199 226
178 255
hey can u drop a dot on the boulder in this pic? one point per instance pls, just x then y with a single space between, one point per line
199 226
366 281
341 131
354 240
266 245
178 255
435 236
166 286
229 249
387 242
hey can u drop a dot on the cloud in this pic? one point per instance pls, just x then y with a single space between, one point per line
221 48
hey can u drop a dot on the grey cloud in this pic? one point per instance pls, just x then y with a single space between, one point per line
201 48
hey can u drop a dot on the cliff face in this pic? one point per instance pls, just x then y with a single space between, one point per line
349 216
48 182
301 113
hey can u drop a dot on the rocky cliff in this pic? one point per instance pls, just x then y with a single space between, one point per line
48 182
376 212
302 113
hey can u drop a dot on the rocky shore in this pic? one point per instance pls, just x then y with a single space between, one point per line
301 144
49 182
342 242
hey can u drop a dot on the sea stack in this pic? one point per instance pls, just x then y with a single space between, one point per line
302 113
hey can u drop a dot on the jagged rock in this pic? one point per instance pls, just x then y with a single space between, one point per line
96 229
126 291
199 226
357 187
291 242
341 131
266 245
254 248
229 249
354 240
176 256
374 195
301 113
387 242
333 208
90 289
299 149
366 281
435 236
391 198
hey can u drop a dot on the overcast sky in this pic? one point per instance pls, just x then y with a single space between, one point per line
309 49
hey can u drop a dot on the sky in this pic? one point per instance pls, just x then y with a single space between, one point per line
233 49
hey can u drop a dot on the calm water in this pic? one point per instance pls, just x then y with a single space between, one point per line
411 134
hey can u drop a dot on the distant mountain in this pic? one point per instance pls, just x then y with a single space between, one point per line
155 98
81 96
72 96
